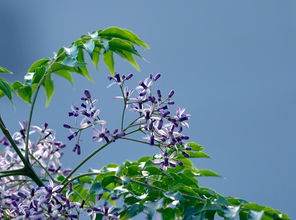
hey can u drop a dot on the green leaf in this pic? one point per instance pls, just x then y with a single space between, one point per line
65 74
168 214
61 178
96 188
39 73
3 70
118 44
37 64
72 62
253 215
80 58
115 32
187 180
134 210
194 146
109 61
25 93
185 189
131 200
129 57
5 88
86 179
198 154
110 179
59 66
49 88
16 85
207 173
153 170
99 216
133 170
151 207
95 56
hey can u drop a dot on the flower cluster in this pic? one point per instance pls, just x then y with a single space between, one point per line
89 115
37 203
155 120
45 152
19 198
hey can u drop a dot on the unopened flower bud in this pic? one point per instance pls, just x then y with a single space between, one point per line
87 94
172 92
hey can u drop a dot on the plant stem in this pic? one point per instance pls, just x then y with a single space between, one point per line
85 160
124 107
135 140
78 176
46 171
131 123
19 172
27 170
134 131
11 141
30 119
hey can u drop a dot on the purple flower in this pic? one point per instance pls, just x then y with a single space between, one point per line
77 149
172 92
102 135
87 94
106 211
181 118
119 80
165 160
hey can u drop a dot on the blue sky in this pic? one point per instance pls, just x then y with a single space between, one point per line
231 63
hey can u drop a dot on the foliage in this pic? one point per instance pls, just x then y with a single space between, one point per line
68 60
174 194
35 185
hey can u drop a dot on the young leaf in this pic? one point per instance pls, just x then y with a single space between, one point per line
89 47
49 88
230 212
3 70
109 61
72 62
28 78
253 215
5 88
71 51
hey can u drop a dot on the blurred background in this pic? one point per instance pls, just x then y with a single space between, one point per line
231 63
